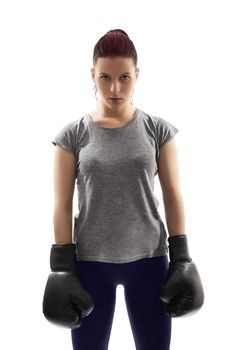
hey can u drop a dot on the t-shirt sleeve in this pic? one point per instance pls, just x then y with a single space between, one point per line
165 131
66 138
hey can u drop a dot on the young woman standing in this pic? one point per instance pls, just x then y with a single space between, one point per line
114 153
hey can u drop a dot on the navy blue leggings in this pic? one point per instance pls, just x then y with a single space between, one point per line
141 279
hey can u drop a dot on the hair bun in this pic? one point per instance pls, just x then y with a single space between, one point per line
120 31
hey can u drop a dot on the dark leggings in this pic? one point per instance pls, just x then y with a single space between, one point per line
141 279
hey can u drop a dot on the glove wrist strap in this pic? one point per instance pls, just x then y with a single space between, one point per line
178 248
63 257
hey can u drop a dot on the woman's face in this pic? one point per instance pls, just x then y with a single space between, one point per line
115 77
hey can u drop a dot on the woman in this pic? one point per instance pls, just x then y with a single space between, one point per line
119 237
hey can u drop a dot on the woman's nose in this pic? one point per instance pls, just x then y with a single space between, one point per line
115 86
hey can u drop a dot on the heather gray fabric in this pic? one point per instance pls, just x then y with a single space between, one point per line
118 219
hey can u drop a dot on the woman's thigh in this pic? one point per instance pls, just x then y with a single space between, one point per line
151 327
95 331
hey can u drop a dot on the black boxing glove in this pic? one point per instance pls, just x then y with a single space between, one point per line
182 291
66 302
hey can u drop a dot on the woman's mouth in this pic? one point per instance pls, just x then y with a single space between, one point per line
115 99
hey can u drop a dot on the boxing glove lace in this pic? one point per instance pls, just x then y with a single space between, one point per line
182 291
66 302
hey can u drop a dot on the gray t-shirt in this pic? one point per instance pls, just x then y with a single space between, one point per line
118 219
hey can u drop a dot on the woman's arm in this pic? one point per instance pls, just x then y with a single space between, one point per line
168 173
182 291
64 181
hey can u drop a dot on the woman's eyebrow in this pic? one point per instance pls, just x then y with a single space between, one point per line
120 74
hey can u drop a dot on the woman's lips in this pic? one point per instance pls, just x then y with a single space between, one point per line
115 99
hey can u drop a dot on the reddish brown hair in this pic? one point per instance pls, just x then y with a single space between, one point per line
115 43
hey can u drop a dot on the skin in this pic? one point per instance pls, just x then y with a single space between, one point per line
114 83
110 114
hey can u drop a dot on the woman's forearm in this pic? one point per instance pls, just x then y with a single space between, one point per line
175 216
62 221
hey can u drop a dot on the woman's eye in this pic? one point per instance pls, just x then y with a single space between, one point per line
105 76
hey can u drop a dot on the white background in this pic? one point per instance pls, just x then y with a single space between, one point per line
185 58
